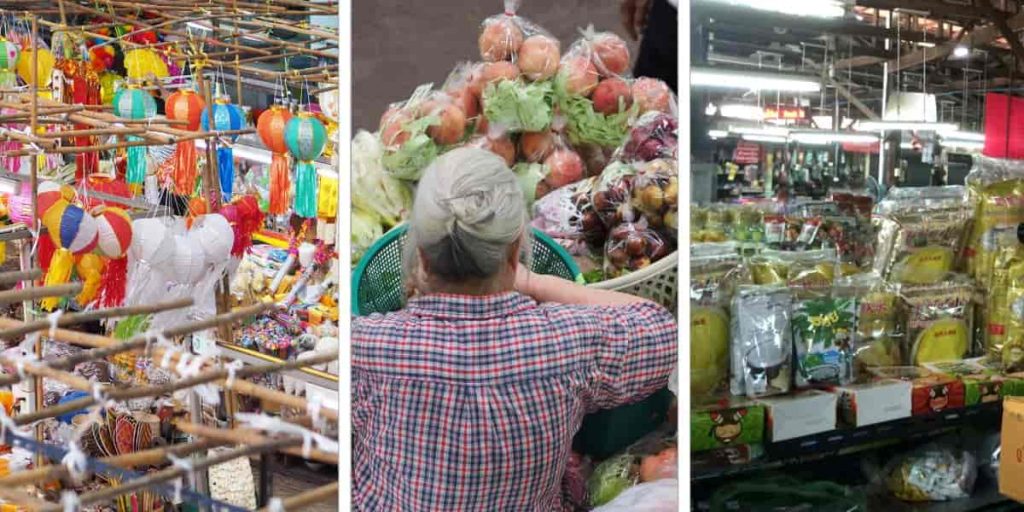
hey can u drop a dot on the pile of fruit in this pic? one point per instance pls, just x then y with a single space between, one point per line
563 121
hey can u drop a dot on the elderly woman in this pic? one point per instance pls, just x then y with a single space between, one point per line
468 399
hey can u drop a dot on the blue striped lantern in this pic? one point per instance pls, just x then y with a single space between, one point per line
306 138
134 103
226 117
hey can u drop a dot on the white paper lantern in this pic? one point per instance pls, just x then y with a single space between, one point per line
188 263
215 236
151 242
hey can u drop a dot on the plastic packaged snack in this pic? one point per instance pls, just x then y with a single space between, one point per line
811 271
632 246
878 331
921 247
716 271
939 319
656 195
824 341
761 341
932 473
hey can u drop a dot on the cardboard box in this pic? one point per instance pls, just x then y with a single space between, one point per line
981 384
1011 460
799 415
936 393
726 424
875 402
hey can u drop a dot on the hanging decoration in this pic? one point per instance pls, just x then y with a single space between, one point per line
145 64
89 267
134 103
185 105
73 231
110 82
245 218
84 90
44 66
226 117
306 138
8 62
114 237
271 127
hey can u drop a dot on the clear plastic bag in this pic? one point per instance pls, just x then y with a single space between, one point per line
651 459
932 473
567 216
632 246
657 496
716 272
416 131
761 341
503 35
878 330
613 194
654 135
656 195
939 319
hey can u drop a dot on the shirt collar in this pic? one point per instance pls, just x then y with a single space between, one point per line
470 307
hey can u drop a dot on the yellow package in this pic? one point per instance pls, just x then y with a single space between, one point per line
919 248
939 320
999 209
714 278
1011 350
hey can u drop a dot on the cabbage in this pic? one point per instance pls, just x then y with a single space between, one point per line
410 159
610 478
529 176
373 189
518 106
366 229
584 125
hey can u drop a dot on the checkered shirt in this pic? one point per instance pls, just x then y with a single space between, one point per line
471 403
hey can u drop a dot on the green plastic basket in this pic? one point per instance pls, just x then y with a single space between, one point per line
377 285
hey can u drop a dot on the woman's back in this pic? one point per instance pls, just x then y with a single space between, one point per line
471 403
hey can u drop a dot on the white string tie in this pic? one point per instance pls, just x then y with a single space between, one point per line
75 462
232 367
275 505
69 501
54 318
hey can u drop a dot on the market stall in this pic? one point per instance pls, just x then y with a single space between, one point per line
595 152
854 319
172 317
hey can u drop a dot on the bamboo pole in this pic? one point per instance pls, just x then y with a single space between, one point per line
29 294
249 436
307 498
20 275
98 314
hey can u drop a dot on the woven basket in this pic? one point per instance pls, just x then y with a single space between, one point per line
658 282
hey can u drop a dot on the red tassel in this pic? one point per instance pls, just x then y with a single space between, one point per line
115 279
280 186
44 252
185 173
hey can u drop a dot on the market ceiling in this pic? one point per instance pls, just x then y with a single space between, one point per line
853 50
257 39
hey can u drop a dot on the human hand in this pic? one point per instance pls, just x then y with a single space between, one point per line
634 16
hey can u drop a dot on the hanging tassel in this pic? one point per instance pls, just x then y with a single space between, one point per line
90 271
114 283
305 190
136 174
44 251
59 273
226 169
185 171
279 184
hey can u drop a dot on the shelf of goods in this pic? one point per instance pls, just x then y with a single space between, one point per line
830 335
133 182
595 153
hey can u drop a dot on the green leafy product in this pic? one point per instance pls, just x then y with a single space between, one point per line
823 334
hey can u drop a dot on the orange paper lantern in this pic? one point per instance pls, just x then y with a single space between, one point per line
185 105
271 127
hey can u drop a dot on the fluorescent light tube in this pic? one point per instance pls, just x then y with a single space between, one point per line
718 134
922 126
963 144
752 81
966 136
740 111
808 8
765 138
822 138
773 131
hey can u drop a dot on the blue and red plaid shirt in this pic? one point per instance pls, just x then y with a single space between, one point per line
471 403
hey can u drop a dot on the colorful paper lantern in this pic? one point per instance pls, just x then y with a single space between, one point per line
73 231
49 193
144 64
114 238
185 105
9 55
134 103
101 58
44 66
271 127
226 117
306 138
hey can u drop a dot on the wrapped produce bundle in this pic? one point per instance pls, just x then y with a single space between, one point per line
656 195
651 459
654 135
632 246
932 473
567 215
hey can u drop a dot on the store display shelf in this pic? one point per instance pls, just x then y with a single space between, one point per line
308 375
985 497
848 440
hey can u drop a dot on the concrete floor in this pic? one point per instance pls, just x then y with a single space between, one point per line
398 45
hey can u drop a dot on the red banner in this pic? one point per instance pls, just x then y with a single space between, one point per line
746 153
